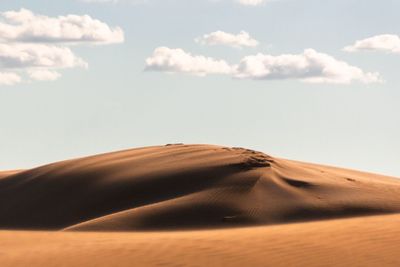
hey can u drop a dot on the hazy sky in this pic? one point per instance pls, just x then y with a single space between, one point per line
310 80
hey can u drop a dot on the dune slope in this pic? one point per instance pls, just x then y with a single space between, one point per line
4 174
362 241
187 187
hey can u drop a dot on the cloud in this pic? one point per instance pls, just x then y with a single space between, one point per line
38 45
251 2
25 26
310 66
178 61
9 78
385 42
27 56
43 75
242 39
37 60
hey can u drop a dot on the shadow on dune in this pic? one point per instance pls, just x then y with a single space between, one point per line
186 187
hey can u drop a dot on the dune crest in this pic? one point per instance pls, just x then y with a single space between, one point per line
187 187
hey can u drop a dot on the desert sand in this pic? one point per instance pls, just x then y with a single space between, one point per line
197 205
362 241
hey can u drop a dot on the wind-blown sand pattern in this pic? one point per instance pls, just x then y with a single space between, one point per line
203 205
358 242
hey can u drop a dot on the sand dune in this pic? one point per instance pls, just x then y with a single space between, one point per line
4 174
357 242
177 187
205 206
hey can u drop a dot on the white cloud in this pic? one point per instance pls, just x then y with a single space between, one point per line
176 60
37 60
9 78
25 26
239 40
310 66
27 56
385 42
251 2
43 75
38 45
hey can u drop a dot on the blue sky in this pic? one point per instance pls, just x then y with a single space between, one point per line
106 86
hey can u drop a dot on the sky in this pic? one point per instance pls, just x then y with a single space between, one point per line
309 80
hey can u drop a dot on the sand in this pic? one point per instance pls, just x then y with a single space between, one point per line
196 205
4 174
362 241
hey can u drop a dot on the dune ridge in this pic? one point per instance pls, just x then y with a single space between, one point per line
4 174
182 187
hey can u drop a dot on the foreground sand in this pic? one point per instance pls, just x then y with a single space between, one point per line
365 241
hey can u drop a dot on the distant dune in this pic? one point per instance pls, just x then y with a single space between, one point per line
306 213
187 187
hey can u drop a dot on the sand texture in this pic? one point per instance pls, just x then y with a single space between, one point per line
197 205
359 242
